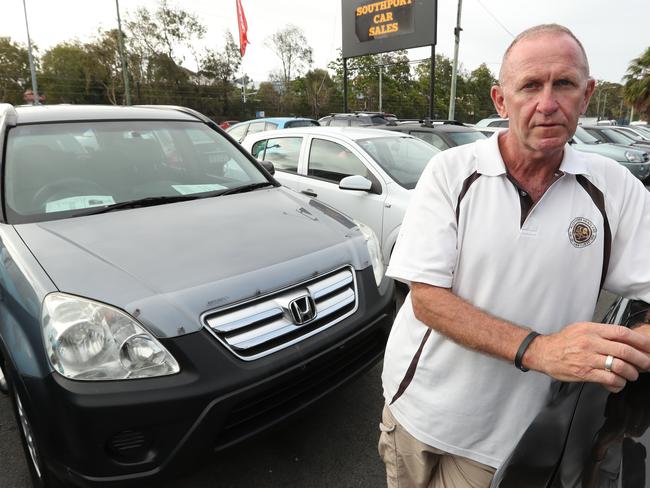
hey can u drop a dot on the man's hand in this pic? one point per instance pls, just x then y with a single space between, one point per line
579 351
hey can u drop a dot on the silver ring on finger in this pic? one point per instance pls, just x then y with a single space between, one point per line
609 362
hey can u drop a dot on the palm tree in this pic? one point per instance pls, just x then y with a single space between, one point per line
637 84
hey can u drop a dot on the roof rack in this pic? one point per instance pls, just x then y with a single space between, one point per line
426 122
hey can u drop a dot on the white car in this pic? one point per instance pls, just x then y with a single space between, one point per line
367 174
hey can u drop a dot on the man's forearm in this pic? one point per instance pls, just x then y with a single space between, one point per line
577 352
465 324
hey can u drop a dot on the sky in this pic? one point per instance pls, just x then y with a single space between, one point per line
613 33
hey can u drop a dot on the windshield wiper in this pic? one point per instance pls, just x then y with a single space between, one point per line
143 202
245 188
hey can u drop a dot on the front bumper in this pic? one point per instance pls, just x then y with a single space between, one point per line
120 433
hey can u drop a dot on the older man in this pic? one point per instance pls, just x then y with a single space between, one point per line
506 245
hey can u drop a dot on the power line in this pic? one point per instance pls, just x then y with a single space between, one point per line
495 19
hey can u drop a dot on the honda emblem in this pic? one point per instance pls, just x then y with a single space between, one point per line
302 309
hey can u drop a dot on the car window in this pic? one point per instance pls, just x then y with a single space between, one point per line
333 162
238 132
499 123
270 126
359 123
617 137
630 133
432 138
283 152
377 120
133 160
301 123
256 127
339 122
258 149
403 158
325 121
460 138
584 137
595 133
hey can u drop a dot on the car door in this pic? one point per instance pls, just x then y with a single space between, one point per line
284 153
327 162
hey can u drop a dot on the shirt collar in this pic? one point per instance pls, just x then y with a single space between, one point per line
490 163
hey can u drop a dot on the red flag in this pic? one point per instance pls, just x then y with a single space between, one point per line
243 29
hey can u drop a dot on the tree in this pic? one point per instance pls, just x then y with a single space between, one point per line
476 101
637 84
290 45
221 67
15 73
319 88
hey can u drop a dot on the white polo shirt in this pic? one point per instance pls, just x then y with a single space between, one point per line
469 228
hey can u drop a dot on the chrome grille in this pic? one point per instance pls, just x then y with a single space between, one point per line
267 324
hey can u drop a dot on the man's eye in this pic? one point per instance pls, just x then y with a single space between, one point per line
530 85
564 83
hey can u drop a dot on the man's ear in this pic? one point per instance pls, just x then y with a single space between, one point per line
591 86
499 101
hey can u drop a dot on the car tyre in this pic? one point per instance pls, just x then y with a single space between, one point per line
39 473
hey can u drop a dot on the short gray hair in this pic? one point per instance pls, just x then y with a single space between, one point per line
535 31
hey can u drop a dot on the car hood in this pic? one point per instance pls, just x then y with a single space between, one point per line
614 151
168 264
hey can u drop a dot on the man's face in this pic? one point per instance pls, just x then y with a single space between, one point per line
544 90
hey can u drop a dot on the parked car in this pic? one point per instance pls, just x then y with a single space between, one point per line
241 130
227 123
358 119
613 135
366 173
636 160
161 301
441 134
635 132
586 436
492 122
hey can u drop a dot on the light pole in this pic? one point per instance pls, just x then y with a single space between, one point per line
31 60
125 74
454 71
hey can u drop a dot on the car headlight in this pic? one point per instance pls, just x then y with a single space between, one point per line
372 243
634 157
87 340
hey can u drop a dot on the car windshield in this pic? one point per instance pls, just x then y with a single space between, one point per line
301 123
618 137
68 169
403 158
461 138
643 130
584 136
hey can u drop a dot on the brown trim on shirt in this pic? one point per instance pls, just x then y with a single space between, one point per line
599 200
410 372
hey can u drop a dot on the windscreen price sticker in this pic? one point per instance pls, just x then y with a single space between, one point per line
374 20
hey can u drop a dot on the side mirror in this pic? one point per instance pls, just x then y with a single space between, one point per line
355 182
268 166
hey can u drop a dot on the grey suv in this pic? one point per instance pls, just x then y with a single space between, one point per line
162 296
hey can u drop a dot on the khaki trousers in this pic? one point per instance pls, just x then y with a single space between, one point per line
413 464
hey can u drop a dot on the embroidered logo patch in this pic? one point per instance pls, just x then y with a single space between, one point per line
582 232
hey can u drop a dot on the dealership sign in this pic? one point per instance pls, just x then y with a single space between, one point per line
371 27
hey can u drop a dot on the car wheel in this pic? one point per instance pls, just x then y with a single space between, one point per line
41 477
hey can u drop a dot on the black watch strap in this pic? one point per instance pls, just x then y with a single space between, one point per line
522 350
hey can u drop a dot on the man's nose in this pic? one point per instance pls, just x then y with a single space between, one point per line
547 103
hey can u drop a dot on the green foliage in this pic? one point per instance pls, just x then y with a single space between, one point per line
15 74
637 85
